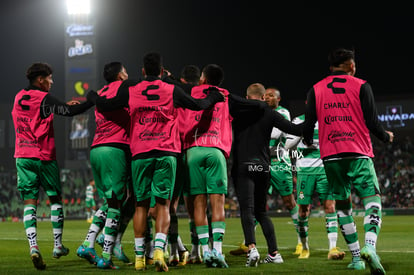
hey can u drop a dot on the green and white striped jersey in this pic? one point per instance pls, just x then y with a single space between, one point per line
309 158
278 153
89 192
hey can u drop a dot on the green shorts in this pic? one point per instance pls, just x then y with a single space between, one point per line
207 170
33 173
110 171
281 179
308 184
356 172
154 177
89 203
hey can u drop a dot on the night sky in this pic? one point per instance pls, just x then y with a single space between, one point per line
283 45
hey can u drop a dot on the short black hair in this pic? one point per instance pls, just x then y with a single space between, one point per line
214 74
152 64
111 71
191 74
340 56
38 69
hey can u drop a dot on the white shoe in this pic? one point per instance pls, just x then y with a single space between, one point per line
253 258
277 259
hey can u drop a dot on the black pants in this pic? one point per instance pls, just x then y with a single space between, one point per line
252 183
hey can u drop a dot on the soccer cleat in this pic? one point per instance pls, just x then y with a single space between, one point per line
298 249
183 257
253 258
106 264
159 261
207 259
149 261
218 259
37 259
304 254
195 259
241 250
88 254
120 254
335 254
140 263
370 256
356 264
60 251
173 260
89 220
276 259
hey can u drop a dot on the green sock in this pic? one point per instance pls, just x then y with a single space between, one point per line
139 246
203 236
98 223
219 229
30 224
372 219
160 241
56 216
332 229
110 232
349 231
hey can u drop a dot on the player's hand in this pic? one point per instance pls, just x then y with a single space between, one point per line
73 102
391 134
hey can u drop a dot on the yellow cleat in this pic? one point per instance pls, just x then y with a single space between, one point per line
298 250
304 254
140 263
183 258
159 261
335 254
241 250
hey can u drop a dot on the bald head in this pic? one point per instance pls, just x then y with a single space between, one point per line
256 91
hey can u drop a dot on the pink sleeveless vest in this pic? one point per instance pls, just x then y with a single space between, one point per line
342 127
34 136
111 127
208 128
154 124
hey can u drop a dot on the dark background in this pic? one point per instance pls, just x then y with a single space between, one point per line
283 45
276 43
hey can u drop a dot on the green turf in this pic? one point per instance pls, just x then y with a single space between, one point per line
395 247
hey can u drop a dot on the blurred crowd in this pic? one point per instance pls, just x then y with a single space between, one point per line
394 164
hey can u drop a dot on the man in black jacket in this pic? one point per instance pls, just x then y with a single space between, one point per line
251 169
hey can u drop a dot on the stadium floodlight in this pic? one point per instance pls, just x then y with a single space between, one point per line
78 7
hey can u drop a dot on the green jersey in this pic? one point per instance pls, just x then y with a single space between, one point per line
89 192
309 158
278 153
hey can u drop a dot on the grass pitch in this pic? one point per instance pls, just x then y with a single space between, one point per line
395 247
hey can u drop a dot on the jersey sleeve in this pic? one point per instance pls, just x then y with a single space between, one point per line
292 140
51 104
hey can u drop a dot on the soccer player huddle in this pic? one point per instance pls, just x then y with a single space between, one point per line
161 138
